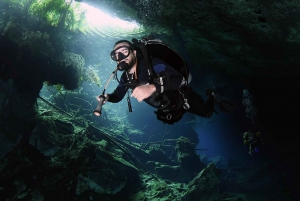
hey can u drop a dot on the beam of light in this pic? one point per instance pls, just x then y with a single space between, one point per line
99 23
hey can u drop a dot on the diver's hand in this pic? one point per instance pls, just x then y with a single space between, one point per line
143 92
106 98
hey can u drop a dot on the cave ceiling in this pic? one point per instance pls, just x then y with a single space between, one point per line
244 38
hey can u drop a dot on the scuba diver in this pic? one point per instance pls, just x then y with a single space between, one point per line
157 75
253 141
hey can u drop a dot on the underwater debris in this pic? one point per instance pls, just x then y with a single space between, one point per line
90 163
91 75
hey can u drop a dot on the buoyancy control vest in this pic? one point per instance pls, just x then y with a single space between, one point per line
155 48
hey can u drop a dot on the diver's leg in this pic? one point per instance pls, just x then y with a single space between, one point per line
200 107
250 149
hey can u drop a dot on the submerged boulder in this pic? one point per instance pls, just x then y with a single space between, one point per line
187 157
205 185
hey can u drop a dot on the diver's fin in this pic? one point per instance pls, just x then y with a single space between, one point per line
224 104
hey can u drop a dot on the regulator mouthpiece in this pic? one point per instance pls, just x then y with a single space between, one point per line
123 66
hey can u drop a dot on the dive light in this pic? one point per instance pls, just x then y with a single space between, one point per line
102 98
97 111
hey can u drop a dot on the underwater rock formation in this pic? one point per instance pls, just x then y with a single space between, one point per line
205 185
27 60
64 158
187 158
237 37
25 53
61 156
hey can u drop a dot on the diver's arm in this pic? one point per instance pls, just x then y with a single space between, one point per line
144 91
118 94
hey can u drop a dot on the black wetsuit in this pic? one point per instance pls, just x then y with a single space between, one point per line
172 99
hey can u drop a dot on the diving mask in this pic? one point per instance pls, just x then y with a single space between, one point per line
120 53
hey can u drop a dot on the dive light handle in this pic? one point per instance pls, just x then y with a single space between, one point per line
97 111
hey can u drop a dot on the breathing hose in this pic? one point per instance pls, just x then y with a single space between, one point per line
102 98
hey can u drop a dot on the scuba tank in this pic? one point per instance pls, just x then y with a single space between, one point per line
155 48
